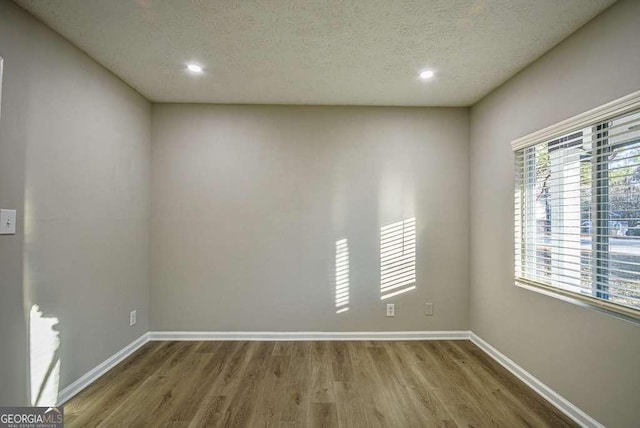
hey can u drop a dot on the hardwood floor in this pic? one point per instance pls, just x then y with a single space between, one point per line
307 384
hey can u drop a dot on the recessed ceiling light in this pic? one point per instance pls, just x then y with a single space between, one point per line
194 68
427 74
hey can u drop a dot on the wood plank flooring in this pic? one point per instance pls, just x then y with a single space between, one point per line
309 384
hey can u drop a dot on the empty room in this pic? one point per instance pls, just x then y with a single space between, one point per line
319 213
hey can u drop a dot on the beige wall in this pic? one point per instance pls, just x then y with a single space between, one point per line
249 201
591 359
74 162
13 351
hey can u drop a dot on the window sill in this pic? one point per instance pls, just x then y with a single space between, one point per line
606 308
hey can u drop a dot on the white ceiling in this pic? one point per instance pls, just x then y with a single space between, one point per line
316 51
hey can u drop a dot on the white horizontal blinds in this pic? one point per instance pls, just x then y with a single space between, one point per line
577 211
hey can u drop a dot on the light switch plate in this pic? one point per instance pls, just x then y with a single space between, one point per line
7 222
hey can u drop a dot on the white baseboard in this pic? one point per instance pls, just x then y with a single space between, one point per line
308 335
561 403
91 376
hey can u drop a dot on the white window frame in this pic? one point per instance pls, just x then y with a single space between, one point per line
590 118
1 65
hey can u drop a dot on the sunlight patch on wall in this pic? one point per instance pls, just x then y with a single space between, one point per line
342 276
44 358
397 258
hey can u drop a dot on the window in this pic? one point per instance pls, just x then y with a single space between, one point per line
1 64
577 209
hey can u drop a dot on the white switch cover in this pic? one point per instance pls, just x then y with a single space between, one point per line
132 318
7 222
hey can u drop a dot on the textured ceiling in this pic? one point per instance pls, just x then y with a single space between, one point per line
316 51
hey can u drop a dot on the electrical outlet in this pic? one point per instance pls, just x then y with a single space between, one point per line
429 309
391 310
132 318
